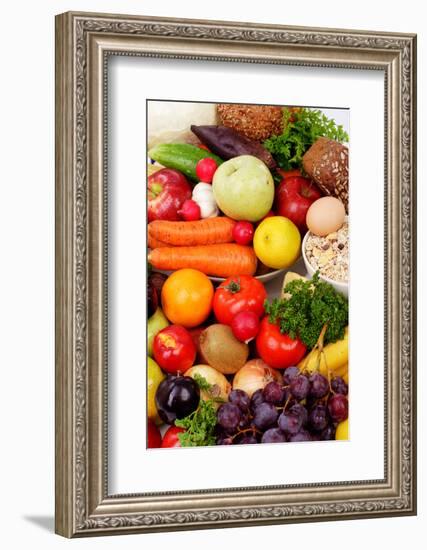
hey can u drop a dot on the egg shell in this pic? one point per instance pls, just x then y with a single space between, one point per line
325 216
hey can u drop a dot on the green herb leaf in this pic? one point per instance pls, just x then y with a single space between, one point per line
301 129
199 426
202 382
312 304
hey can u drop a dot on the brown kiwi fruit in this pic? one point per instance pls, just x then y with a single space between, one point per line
221 350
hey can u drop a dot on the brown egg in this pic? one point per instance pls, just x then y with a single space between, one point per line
325 216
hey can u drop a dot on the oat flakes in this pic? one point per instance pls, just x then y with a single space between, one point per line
329 254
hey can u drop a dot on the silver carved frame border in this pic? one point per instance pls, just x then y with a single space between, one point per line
83 44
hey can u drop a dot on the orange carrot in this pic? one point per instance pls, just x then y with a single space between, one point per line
220 260
155 243
208 231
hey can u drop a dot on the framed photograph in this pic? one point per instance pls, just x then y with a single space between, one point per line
235 274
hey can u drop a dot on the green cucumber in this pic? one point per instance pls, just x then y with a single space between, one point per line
181 156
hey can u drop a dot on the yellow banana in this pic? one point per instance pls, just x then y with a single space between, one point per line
345 376
333 357
342 371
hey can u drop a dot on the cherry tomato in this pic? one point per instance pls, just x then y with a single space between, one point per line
243 232
173 349
245 326
276 349
154 438
205 169
170 439
236 294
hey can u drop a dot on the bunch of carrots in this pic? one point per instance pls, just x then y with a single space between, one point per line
206 245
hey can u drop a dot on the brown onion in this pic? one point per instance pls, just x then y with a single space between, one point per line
255 375
221 387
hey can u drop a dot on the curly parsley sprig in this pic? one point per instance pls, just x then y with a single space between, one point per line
200 424
312 305
301 128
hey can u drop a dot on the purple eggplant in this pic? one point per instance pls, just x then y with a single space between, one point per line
227 143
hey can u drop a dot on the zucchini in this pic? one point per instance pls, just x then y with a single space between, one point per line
181 156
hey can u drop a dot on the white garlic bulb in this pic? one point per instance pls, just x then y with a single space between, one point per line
203 195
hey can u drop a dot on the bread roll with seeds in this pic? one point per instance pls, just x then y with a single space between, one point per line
326 162
257 122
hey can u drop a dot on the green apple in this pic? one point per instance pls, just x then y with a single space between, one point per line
243 188
277 242
154 376
156 323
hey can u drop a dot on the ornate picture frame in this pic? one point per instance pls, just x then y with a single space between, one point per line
83 43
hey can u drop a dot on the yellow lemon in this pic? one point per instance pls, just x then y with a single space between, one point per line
277 242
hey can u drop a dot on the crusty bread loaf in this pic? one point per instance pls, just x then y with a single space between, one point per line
326 162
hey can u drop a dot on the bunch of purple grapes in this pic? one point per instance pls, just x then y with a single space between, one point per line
305 408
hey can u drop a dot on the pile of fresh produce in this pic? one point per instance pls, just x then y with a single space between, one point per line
230 361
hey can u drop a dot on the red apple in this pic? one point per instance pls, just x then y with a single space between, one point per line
294 197
167 191
153 435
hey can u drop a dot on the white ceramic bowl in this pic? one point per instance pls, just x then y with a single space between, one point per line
339 286
263 278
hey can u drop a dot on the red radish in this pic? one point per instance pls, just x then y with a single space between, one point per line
205 169
170 439
245 325
190 211
153 435
243 232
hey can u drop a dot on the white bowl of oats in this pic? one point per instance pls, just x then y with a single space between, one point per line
330 256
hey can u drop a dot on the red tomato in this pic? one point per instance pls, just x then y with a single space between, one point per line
173 349
236 294
170 439
153 435
276 349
